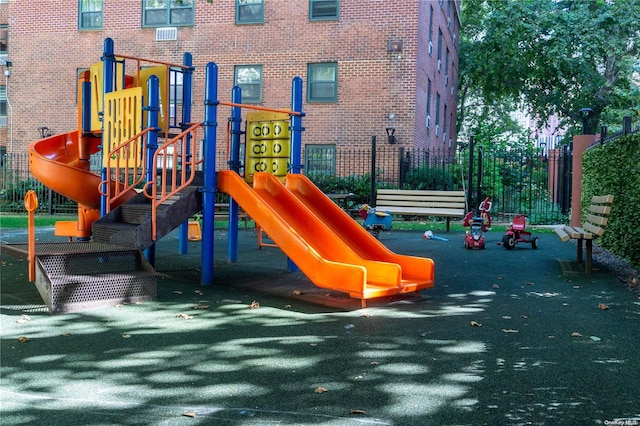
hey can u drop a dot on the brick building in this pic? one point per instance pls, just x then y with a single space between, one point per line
366 64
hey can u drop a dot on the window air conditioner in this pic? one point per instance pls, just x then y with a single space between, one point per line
430 48
428 121
439 64
166 34
437 129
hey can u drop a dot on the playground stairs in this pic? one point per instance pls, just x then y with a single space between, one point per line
76 276
130 224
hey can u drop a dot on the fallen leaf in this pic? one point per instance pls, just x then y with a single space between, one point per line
23 339
189 414
126 336
576 334
198 292
320 389
201 307
287 306
506 317
366 315
177 292
374 363
495 286
313 344
184 316
595 338
602 306
528 283
475 324
509 330
524 316
297 292
24 319
254 305
356 411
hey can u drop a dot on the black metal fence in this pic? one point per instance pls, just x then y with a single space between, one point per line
535 182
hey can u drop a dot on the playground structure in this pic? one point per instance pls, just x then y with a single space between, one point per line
158 170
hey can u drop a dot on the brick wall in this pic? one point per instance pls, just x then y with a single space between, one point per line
47 49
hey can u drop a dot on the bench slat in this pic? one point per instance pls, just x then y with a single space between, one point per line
593 229
602 199
414 192
571 231
585 235
597 220
561 233
421 199
601 210
422 211
422 204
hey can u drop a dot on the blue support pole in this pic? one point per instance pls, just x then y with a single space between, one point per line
209 191
153 109
108 59
187 85
296 125
234 164
86 107
296 139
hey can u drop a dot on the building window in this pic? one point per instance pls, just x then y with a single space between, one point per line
428 104
4 41
322 82
437 114
175 93
160 13
430 22
249 79
320 159
324 10
90 14
249 11
3 106
439 44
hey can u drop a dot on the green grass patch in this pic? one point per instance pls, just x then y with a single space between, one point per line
22 221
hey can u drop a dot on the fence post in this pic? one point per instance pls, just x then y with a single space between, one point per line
400 167
480 173
372 190
626 124
470 179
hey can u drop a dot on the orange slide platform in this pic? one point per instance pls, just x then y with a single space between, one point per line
328 246
61 162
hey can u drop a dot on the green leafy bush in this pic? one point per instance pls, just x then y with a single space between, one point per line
613 169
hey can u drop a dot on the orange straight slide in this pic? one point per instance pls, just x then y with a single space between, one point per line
329 247
61 162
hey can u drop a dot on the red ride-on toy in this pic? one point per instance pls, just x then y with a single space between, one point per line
477 225
517 234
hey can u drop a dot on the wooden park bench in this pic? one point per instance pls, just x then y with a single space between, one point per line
591 229
406 202
221 212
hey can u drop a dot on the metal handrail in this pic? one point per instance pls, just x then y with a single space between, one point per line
183 170
124 177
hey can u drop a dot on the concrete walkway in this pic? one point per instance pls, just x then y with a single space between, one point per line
504 338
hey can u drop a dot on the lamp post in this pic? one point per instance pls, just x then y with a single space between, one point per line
390 134
584 114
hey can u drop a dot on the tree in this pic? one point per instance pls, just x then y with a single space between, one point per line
553 56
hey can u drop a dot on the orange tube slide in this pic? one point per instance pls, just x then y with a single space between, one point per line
61 162
329 247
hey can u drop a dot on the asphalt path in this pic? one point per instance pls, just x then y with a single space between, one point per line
519 337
